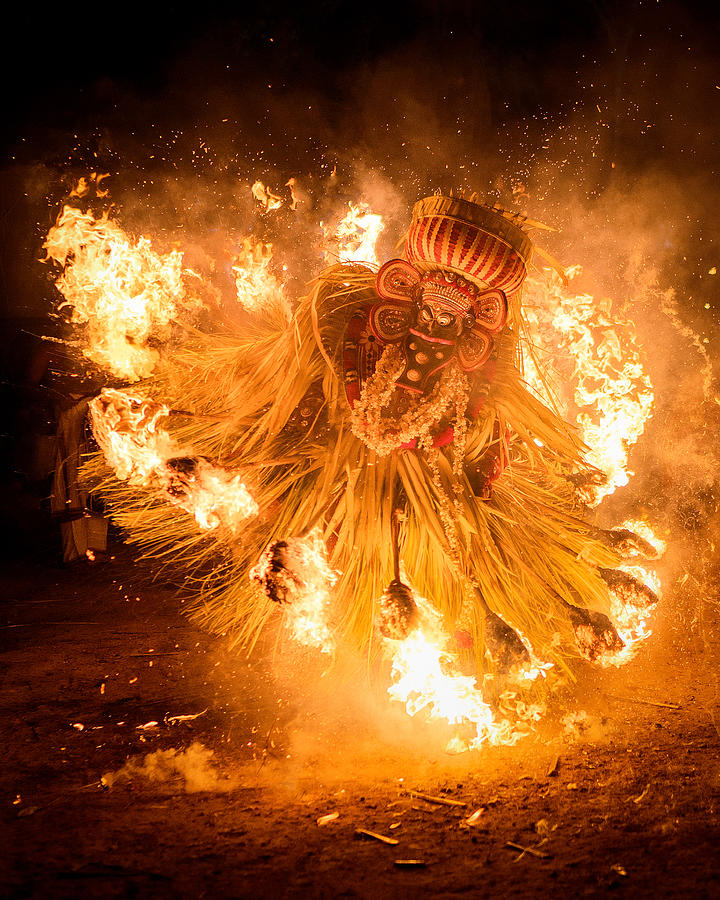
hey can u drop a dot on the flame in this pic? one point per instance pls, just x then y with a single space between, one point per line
355 237
307 617
631 624
85 185
307 582
257 289
597 359
120 288
631 617
127 430
533 669
265 197
597 362
646 533
144 454
425 677
215 497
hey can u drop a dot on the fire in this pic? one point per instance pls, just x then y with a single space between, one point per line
646 533
296 574
597 359
265 197
92 183
127 296
631 623
595 366
124 292
307 617
145 454
127 430
214 496
631 611
355 238
425 677
257 289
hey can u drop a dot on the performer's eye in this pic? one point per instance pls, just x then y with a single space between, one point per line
444 320
426 314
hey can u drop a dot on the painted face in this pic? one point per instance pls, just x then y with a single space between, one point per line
435 321
435 318
429 345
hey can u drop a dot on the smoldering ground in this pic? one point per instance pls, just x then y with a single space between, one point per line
630 802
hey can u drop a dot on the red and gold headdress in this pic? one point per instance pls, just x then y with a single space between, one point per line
462 257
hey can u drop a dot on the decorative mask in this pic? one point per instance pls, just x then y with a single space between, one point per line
436 317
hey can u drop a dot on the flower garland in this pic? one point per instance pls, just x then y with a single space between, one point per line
380 422
385 418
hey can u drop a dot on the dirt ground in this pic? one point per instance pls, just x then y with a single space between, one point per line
626 801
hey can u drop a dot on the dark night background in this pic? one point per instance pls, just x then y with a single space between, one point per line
603 112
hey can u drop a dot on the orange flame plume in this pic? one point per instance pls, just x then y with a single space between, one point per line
257 289
141 452
305 589
598 361
426 679
355 237
121 289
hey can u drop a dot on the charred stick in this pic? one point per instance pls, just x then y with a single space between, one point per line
594 632
625 542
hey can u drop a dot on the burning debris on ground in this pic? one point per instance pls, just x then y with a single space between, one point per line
420 436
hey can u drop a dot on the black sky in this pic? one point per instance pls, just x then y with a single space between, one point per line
76 69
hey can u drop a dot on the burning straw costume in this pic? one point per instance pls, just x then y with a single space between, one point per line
390 416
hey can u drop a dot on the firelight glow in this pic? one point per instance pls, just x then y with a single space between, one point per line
140 451
598 373
127 296
426 679
355 237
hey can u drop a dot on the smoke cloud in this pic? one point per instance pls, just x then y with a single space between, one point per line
193 767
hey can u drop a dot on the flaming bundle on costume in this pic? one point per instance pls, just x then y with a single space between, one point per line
388 424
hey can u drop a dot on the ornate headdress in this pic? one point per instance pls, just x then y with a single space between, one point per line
462 258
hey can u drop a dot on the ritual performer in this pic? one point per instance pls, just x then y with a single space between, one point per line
389 418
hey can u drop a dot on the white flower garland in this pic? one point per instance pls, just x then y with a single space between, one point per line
384 429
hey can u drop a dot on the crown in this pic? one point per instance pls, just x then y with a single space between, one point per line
483 244
452 290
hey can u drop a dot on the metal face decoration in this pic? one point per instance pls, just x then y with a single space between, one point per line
435 317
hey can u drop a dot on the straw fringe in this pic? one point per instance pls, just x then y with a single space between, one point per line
523 548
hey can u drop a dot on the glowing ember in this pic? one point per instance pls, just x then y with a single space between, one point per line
597 360
256 287
142 453
425 678
120 288
355 237
265 197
